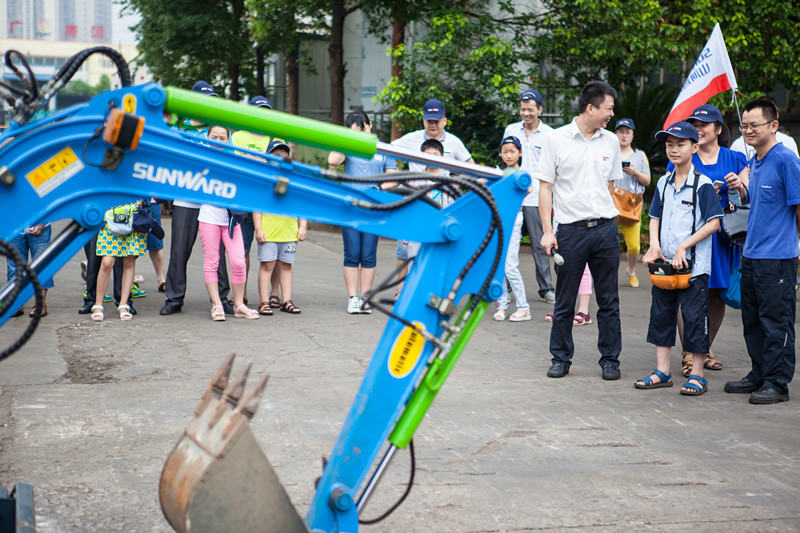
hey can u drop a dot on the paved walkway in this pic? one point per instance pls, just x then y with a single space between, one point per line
89 413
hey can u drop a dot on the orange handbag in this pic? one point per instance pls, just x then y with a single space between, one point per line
629 205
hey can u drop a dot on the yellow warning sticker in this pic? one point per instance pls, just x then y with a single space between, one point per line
129 103
406 351
55 171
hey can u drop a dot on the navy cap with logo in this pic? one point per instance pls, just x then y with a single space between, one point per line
261 101
511 140
681 130
531 94
204 87
274 145
433 110
625 122
706 113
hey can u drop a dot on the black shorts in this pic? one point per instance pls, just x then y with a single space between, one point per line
694 309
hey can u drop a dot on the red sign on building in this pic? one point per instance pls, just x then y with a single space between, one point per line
70 30
98 32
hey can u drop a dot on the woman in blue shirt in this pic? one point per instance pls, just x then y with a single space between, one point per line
714 160
360 249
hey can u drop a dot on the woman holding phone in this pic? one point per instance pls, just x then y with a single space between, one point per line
636 176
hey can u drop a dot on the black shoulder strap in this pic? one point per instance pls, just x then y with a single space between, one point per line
694 207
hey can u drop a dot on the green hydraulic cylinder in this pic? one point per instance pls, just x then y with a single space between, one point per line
210 110
423 397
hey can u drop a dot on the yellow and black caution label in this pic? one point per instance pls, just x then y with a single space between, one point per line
406 351
129 103
55 171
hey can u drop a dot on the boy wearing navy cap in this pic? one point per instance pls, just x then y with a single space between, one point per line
683 200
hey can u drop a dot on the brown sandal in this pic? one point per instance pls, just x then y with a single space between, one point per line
35 311
711 362
687 364
289 307
264 308
274 301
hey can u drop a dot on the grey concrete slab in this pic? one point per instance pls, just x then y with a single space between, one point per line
89 413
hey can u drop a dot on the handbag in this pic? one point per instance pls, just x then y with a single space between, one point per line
662 274
628 204
143 222
120 220
665 276
733 295
733 226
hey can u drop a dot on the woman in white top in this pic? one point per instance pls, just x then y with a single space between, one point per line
213 226
636 177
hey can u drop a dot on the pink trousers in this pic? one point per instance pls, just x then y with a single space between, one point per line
210 235
586 282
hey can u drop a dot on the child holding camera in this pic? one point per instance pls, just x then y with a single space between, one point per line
684 199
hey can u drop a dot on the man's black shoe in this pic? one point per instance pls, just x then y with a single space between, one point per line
610 373
743 386
766 395
85 309
170 308
558 370
227 306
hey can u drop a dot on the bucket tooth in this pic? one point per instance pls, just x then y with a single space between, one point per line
218 383
217 478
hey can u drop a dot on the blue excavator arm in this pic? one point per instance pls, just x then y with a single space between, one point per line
70 165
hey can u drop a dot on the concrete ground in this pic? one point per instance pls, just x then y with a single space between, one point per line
90 411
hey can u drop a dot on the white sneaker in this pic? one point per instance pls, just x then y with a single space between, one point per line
364 307
353 305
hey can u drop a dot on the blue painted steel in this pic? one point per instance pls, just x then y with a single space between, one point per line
166 165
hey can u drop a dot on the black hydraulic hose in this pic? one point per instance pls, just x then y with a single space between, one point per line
23 270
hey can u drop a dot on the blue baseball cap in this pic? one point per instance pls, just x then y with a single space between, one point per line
260 101
511 140
682 130
531 94
706 113
204 87
433 110
628 122
274 145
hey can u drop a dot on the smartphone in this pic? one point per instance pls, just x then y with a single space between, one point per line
626 164
718 184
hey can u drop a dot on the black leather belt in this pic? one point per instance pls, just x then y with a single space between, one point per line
591 223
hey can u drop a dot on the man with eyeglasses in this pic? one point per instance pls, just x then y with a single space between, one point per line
740 146
769 262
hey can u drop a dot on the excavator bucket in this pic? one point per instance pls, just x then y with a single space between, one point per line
217 478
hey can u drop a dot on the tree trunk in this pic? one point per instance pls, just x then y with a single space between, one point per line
398 38
336 54
292 93
233 74
237 11
260 90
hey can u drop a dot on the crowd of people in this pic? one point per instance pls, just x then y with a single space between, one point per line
585 179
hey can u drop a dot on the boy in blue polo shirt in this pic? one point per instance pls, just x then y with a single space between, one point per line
684 199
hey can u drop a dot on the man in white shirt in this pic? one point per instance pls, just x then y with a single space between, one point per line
577 167
433 117
531 133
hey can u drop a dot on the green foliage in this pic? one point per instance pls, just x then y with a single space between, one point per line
84 89
462 61
279 26
182 41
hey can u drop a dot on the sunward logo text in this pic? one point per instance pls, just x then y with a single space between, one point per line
185 179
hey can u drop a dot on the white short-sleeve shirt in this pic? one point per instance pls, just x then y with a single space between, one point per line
531 150
580 170
453 148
